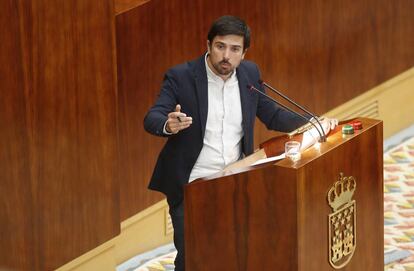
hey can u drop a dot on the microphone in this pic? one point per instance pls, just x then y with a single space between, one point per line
323 138
251 87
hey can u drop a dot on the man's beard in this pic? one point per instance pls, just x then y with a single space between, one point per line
222 71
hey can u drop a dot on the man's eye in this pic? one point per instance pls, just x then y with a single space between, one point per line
219 46
235 49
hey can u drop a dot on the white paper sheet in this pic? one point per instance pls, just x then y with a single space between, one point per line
265 160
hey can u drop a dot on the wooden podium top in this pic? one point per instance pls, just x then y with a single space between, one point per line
334 139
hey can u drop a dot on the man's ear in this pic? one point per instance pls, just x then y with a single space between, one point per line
208 46
244 53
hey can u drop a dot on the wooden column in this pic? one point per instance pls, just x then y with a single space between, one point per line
58 131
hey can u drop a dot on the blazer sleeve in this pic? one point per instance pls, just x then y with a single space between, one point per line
157 115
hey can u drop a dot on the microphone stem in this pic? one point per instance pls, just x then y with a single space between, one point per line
323 138
290 110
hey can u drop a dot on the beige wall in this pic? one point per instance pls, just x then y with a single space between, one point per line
391 102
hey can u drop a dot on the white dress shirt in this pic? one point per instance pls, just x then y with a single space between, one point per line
223 134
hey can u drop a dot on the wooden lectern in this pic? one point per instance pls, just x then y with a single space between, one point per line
323 212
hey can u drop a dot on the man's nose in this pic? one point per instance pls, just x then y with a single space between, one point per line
226 54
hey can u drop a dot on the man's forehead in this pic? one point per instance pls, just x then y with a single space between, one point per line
233 40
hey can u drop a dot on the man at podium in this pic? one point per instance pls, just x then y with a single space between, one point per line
207 112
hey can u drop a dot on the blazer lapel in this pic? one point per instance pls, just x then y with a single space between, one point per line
200 77
245 98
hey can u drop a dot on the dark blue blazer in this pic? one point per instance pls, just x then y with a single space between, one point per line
186 84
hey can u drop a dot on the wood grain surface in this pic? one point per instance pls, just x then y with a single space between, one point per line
58 133
122 6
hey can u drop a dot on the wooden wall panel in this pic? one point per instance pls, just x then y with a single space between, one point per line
58 133
321 53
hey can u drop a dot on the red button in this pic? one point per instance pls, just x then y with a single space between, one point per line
357 125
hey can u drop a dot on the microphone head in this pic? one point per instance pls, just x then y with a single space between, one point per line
250 87
260 81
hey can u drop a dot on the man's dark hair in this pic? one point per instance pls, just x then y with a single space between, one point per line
230 25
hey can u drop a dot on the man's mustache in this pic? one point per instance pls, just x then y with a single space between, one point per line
224 62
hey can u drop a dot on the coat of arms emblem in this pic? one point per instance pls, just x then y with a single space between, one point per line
342 222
